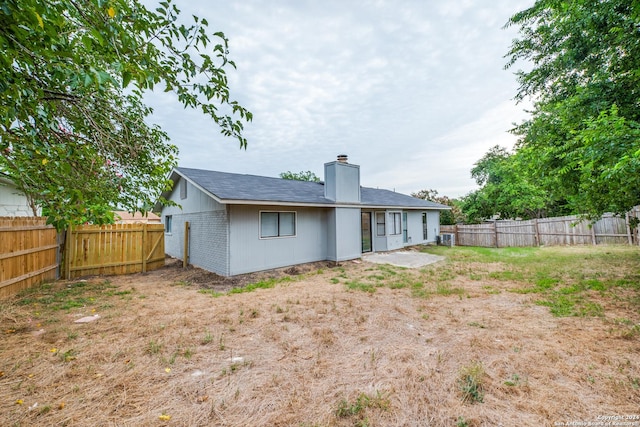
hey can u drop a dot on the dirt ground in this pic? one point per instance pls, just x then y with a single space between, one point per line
312 352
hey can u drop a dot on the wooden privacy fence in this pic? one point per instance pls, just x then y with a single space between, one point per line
113 249
28 253
567 230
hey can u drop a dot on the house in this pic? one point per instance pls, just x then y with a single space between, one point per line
124 217
13 202
246 223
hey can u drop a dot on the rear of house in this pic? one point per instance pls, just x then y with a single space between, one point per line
245 223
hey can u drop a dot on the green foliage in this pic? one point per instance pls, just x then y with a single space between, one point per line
449 217
358 408
471 383
583 137
300 176
73 130
509 189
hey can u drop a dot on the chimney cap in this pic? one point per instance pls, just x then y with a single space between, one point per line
342 158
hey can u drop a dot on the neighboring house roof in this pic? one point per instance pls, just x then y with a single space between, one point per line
123 216
232 188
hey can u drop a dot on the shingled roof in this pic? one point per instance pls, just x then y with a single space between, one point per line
233 188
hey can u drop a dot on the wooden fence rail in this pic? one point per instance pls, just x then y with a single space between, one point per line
113 249
567 230
28 253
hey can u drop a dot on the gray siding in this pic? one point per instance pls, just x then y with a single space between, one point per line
346 240
433 225
209 232
342 182
250 253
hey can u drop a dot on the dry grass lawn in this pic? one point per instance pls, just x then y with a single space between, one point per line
488 337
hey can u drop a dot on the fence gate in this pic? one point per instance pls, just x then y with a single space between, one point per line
113 249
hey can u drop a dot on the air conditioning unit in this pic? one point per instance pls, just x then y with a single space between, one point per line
447 239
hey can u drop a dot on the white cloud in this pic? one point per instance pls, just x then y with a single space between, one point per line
414 92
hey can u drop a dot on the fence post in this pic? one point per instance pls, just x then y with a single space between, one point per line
537 230
185 260
455 234
495 232
67 253
626 222
144 247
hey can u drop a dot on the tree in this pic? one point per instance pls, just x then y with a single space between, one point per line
300 176
449 217
73 134
508 189
583 133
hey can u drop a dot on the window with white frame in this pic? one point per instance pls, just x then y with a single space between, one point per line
380 224
277 224
395 223
168 219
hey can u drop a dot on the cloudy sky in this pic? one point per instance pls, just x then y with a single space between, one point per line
414 92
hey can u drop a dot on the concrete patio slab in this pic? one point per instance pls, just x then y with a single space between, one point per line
403 258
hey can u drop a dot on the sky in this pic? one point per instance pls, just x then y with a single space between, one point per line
415 92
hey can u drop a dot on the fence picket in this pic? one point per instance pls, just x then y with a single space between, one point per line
29 251
566 230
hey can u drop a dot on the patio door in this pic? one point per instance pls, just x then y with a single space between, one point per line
365 225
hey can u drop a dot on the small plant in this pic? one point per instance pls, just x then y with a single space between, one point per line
470 383
462 422
477 325
513 381
154 347
360 286
363 401
446 289
208 338
67 356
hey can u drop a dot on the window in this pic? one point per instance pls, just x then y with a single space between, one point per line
405 232
168 219
380 225
183 188
425 235
395 223
277 224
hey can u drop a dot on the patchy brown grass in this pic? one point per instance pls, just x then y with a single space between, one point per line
352 345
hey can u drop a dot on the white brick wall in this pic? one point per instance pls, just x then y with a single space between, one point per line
12 201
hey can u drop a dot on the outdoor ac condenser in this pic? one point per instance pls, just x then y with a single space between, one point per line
447 239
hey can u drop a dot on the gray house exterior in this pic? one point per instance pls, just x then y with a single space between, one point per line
246 223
